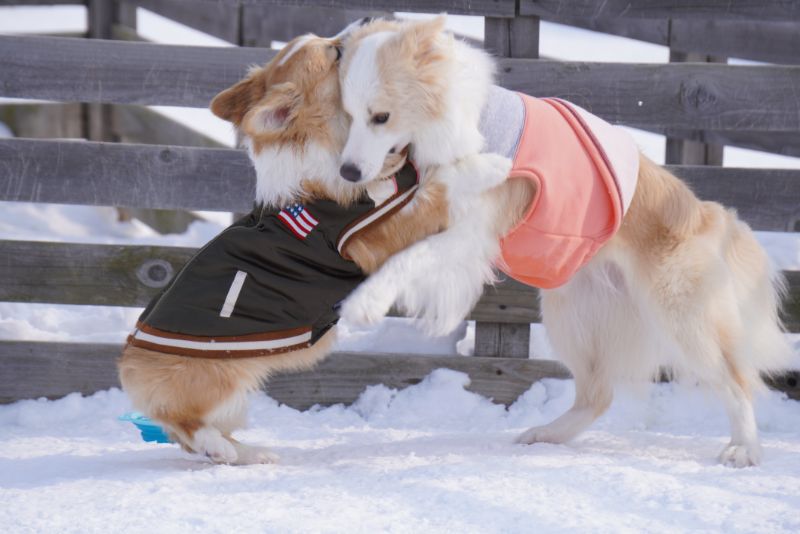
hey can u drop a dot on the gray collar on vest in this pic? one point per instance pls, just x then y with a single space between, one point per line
502 121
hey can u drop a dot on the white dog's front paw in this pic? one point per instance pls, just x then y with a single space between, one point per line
368 304
497 168
741 455
540 434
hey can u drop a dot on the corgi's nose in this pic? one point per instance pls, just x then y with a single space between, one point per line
350 172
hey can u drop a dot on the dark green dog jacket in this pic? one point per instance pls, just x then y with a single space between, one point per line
268 283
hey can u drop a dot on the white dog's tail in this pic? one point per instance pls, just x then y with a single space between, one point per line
760 291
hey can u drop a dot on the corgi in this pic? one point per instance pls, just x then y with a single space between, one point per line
636 273
288 114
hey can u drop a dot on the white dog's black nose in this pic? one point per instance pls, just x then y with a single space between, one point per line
350 172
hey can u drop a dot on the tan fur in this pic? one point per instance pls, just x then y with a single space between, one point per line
427 216
306 86
200 402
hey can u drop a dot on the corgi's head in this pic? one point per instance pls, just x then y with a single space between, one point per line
393 77
289 115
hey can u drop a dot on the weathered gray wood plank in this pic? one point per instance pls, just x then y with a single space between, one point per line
684 96
766 200
494 8
43 121
120 275
262 24
776 42
144 176
40 369
681 96
170 177
136 124
343 376
676 9
727 38
40 2
220 19
496 340
785 143
83 70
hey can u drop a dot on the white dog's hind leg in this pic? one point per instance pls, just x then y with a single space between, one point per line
593 395
744 449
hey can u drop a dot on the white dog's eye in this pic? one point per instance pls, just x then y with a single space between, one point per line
380 118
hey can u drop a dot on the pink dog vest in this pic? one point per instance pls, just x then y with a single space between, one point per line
585 170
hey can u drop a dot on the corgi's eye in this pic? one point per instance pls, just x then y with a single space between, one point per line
338 53
380 118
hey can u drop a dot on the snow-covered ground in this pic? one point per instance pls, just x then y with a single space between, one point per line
432 457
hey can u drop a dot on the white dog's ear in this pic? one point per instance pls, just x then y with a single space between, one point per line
419 38
275 112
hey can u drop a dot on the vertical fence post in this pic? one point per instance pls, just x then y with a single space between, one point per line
516 37
686 151
100 19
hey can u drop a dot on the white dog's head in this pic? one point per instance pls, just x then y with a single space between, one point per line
393 77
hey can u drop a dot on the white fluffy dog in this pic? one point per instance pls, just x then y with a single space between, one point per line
675 283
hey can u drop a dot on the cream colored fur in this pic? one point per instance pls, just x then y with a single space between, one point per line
683 285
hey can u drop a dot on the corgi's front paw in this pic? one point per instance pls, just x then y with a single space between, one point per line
368 304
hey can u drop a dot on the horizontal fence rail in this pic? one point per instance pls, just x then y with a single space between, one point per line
130 275
493 8
725 38
680 96
49 369
171 177
123 275
697 9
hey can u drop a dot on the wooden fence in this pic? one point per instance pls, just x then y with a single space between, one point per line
112 73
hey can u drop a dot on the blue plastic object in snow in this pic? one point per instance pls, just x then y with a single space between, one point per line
150 431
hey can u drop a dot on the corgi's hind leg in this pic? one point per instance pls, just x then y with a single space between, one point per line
231 416
593 396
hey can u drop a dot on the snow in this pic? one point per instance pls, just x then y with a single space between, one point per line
433 457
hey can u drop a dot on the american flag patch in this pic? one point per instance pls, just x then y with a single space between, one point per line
298 220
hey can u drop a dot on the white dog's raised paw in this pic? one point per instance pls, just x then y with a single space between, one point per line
368 304
740 455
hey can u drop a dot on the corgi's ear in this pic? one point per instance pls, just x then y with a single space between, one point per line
275 112
233 103
419 38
